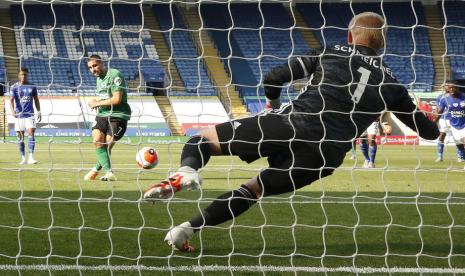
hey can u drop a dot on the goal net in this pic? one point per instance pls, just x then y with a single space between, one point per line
190 65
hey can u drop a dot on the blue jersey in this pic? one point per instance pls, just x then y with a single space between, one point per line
24 99
456 108
445 114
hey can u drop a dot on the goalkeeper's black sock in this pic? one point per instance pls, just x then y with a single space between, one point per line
196 153
224 208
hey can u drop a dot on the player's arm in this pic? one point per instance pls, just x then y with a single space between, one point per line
12 103
116 89
115 99
296 68
385 125
441 108
37 104
408 113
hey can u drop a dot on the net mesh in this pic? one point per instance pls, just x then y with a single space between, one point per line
405 216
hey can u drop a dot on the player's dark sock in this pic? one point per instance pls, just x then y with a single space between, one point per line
224 208
103 158
364 150
196 152
372 153
21 147
32 144
440 149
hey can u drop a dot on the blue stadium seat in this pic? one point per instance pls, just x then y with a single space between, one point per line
63 58
405 55
192 70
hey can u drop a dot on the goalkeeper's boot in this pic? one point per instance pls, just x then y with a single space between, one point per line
91 175
178 237
185 178
108 176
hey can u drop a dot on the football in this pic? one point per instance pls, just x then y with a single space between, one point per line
147 158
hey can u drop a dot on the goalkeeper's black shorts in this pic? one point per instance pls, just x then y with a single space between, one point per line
293 161
112 126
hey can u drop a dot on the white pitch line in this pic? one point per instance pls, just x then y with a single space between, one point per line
219 268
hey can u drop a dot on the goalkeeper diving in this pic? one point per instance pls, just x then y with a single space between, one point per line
348 88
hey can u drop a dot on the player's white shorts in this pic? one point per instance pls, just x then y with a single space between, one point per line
444 125
372 129
458 134
23 124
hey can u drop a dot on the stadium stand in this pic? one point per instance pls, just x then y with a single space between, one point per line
403 40
191 68
455 35
2 66
257 44
56 56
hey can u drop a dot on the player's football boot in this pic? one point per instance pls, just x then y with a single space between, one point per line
439 159
365 165
353 157
178 237
23 161
460 160
185 178
371 165
91 175
108 176
31 161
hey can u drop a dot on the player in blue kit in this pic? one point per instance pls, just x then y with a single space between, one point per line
23 98
454 104
444 128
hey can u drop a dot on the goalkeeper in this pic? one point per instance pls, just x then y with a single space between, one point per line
112 116
348 88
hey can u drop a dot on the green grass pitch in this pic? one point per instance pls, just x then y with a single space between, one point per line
408 212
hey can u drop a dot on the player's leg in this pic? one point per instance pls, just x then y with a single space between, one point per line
246 138
225 207
364 150
99 131
372 149
353 155
117 130
287 173
195 155
20 135
444 127
440 147
31 145
459 138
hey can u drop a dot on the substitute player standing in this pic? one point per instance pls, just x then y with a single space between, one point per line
23 98
112 116
348 88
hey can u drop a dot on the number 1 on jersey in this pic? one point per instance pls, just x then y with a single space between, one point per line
362 83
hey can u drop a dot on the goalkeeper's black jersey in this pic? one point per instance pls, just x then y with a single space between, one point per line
348 88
